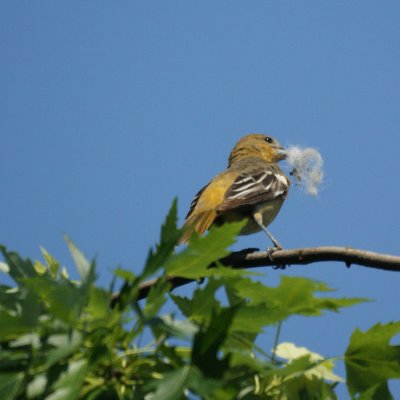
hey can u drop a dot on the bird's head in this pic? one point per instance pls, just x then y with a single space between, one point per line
258 145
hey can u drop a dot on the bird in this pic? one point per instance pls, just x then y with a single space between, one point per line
253 187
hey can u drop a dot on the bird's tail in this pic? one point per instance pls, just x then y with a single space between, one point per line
197 223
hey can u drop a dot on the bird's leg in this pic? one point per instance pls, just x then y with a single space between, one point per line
258 220
277 246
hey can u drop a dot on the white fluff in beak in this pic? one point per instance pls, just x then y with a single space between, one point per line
306 164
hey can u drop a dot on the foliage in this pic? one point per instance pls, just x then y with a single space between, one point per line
62 339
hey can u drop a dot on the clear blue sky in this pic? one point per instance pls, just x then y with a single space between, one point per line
110 109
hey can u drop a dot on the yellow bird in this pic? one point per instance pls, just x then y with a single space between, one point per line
253 187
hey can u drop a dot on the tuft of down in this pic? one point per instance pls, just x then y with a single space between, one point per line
306 164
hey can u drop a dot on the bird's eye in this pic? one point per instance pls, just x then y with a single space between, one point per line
269 139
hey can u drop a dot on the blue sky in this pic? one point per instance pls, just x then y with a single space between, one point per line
110 109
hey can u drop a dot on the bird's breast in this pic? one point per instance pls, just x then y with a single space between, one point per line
268 211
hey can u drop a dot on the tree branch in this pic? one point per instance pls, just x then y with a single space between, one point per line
281 258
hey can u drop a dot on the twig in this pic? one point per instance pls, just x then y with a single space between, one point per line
252 259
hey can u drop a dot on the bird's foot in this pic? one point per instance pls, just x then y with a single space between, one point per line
270 252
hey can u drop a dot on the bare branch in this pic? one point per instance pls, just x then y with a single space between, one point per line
311 255
281 258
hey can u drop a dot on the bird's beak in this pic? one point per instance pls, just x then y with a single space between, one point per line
282 153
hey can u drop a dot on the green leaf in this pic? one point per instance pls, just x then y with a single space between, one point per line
247 359
156 298
377 392
51 262
10 385
194 261
125 274
64 346
61 299
11 326
40 268
37 386
99 303
67 387
207 344
17 267
370 359
19 311
301 388
174 383
322 368
82 264
169 238
294 295
295 368
10 298
202 304
171 327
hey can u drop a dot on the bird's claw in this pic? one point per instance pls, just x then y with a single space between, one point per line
272 250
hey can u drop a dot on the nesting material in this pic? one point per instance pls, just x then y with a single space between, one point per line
306 164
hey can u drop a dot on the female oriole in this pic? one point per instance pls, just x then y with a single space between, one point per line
253 187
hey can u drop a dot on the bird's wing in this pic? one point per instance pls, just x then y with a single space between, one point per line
256 188
204 206
195 200
229 191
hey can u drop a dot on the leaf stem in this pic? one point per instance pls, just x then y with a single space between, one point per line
277 335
